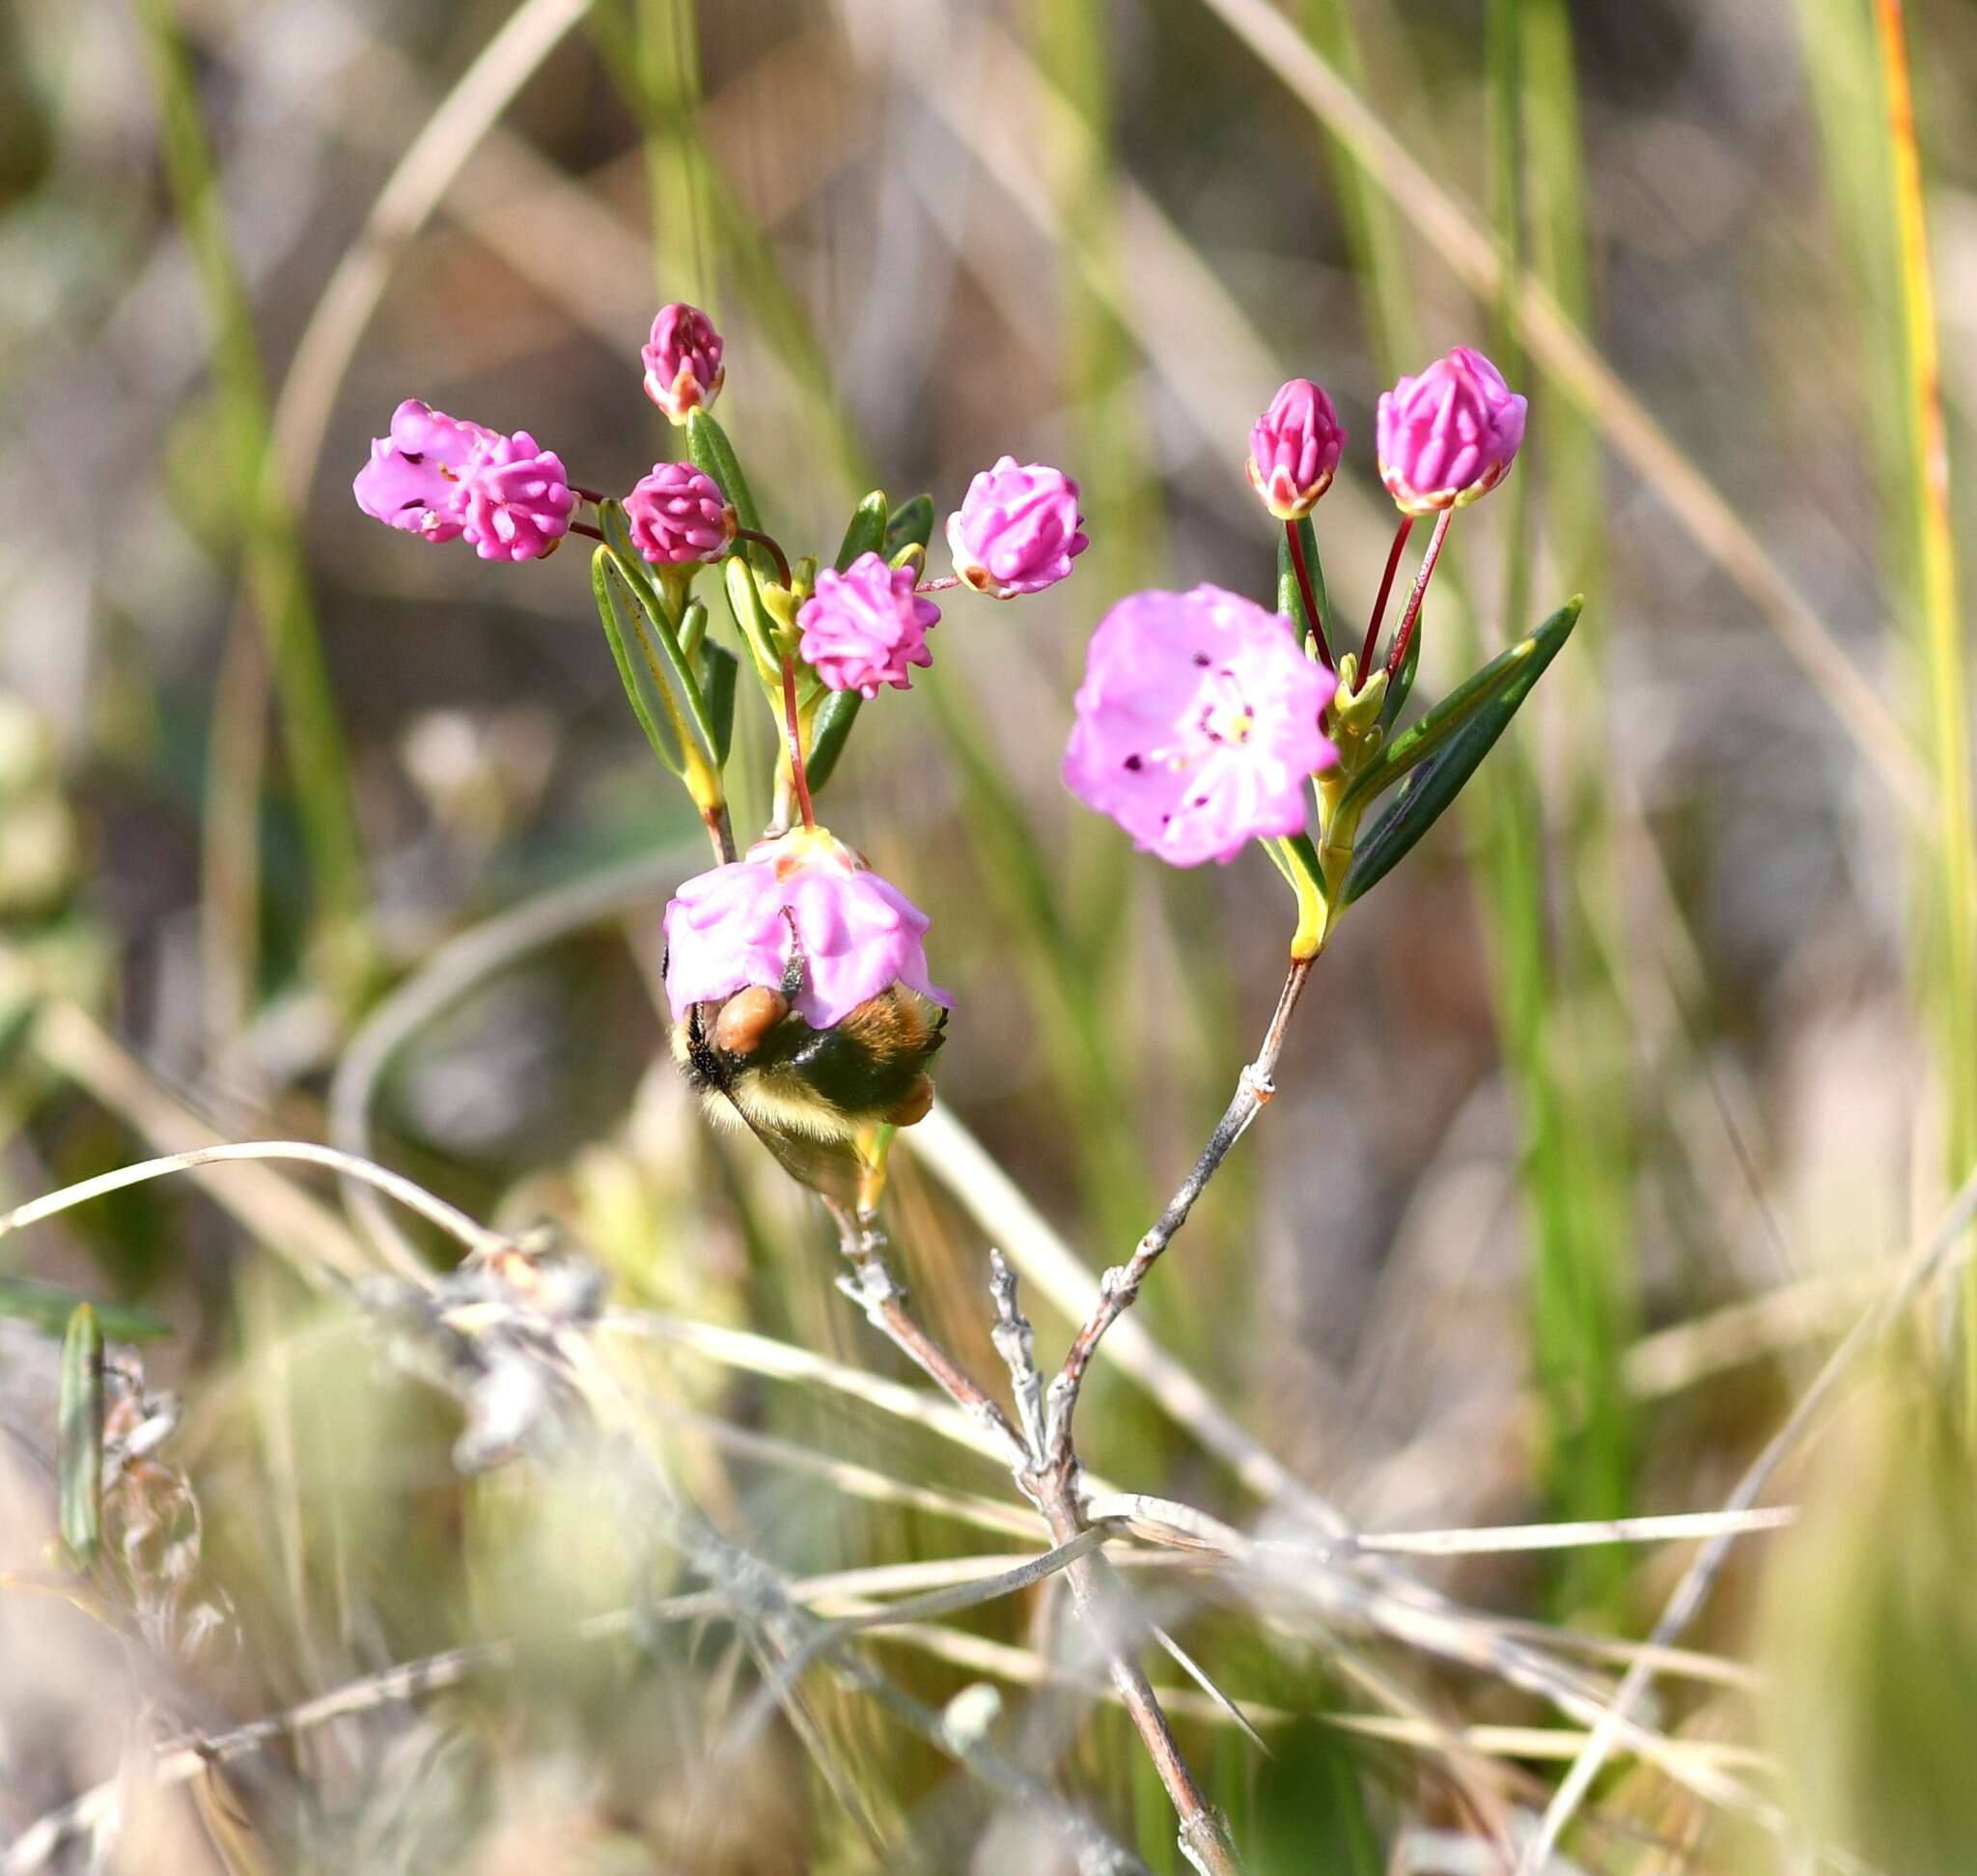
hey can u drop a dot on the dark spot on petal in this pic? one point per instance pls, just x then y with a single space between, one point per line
1135 762
1199 802
415 502
1164 819
413 456
1203 659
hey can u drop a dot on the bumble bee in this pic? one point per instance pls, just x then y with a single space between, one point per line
816 1098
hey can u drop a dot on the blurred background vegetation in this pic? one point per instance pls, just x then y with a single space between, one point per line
1604 1115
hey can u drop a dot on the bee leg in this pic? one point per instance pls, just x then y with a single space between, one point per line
872 1144
915 1105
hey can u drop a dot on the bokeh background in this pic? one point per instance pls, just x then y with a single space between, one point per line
1605 1116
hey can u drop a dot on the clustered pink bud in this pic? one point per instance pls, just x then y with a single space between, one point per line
517 500
1448 436
1018 529
442 478
1293 450
412 480
1198 724
683 361
678 514
741 924
864 626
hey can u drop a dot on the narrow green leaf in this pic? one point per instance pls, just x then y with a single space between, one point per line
1402 682
715 665
1430 787
652 624
692 630
710 451
1289 599
79 1435
835 716
612 614
1440 725
50 1306
752 619
909 524
867 531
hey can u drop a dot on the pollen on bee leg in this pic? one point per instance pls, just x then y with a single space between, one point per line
916 1106
747 1017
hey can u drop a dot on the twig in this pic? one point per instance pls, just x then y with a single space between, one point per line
1016 1341
1943 1251
871 1284
1119 1286
1103 1606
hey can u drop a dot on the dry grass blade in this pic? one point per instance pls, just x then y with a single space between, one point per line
1489 1540
1942 1250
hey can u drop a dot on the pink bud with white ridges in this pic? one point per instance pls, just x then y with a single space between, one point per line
516 499
1293 450
1018 529
678 515
683 361
1448 436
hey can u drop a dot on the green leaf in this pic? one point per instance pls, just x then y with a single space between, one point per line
867 531
753 620
1403 681
714 666
1289 599
712 455
613 601
835 716
1454 754
50 1306
1504 674
79 1435
909 524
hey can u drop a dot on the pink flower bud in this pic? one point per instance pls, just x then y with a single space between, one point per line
739 925
678 515
412 480
1293 450
1450 434
683 361
1198 724
1018 530
517 500
864 626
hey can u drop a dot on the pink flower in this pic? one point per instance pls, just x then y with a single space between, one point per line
683 361
1198 724
678 515
741 923
1450 434
516 499
414 478
1018 530
1293 450
863 626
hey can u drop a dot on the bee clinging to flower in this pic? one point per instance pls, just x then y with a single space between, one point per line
801 1005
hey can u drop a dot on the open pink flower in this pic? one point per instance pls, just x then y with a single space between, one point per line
864 626
678 515
516 499
683 361
412 480
741 924
1448 436
1198 724
1018 529
1293 450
